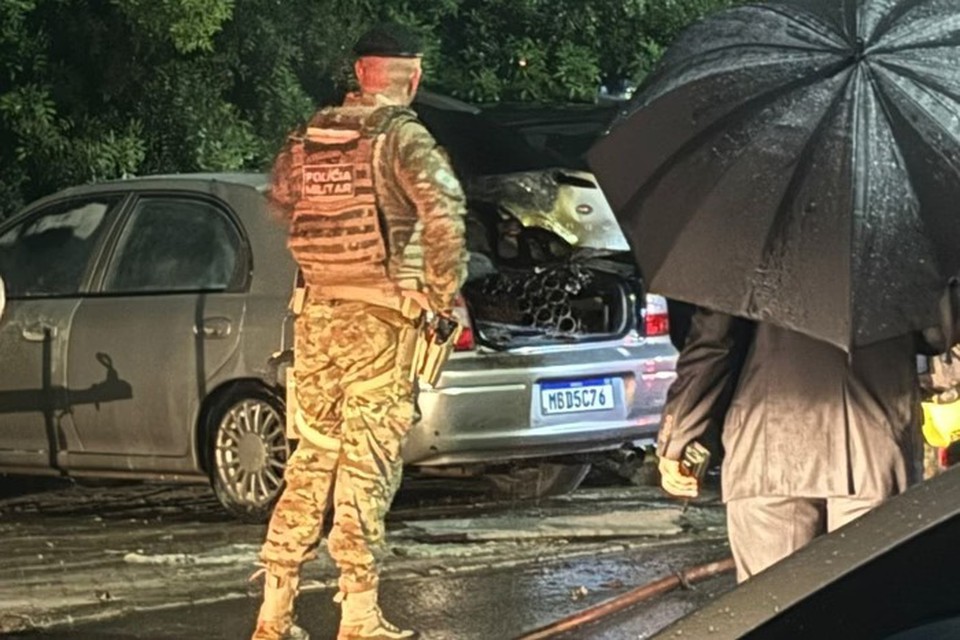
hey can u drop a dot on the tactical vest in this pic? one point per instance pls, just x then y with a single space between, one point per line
337 233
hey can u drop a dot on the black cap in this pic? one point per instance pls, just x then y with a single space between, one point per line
389 41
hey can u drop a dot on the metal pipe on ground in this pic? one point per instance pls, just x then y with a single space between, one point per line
682 578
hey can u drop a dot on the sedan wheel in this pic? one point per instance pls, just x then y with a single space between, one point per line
250 451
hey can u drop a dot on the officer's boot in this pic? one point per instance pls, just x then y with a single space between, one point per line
275 621
362 619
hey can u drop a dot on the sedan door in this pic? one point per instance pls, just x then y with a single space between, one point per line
169 312
46 260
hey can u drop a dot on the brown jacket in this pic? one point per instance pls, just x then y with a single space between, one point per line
799 417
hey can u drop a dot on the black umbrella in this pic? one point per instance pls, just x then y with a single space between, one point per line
799 162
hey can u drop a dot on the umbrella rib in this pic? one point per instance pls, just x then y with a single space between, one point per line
796 181
887 104
827 45
887 22
859 204
723 122
689 67
920 80
814 21
928 36
749 46
919 46
823 32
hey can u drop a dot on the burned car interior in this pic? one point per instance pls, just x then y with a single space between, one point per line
548 263
528 285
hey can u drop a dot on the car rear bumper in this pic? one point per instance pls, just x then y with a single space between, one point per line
486 406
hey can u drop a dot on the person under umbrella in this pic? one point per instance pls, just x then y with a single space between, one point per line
792 168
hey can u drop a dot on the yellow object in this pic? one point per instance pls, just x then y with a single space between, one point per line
941 423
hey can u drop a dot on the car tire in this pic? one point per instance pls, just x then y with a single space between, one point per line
248 450
532 481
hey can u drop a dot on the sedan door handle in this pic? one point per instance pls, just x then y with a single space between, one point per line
39 333
215 328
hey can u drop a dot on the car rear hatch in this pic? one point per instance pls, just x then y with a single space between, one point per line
549 264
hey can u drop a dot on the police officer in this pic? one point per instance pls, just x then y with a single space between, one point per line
376 224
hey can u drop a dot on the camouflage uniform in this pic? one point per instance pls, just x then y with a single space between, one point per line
354 346
355 406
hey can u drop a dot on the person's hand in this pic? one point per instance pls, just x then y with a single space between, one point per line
420 298
675 481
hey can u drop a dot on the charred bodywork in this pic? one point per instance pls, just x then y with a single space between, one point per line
549 263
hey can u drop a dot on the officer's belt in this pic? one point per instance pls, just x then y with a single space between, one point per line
315 438
407 306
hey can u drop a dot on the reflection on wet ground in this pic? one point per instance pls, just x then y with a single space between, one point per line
456 565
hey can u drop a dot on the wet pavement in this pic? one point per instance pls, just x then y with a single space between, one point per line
160 561
482 606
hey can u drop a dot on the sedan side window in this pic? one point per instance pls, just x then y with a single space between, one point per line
175 244
49 254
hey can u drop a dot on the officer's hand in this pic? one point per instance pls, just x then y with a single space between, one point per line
420 298
675 481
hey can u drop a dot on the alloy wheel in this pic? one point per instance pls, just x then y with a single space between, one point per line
251 451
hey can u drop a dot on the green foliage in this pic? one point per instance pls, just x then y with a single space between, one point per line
555 50
102 89
188 24
191 126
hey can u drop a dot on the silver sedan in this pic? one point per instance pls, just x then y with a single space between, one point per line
147 335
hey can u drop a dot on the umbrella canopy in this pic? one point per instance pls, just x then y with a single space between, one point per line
798 162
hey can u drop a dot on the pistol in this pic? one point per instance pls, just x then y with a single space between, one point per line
444 329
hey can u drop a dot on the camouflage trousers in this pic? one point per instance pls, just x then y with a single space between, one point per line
352 363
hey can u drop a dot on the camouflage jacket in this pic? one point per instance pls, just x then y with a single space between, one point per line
427 250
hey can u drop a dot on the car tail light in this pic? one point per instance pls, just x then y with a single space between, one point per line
466 341
656 318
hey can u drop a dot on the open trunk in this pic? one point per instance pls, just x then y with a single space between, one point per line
549 264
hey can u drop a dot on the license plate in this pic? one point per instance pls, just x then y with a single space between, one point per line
575 397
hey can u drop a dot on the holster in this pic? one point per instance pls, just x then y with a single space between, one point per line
292 406
297 300
408 306
432 351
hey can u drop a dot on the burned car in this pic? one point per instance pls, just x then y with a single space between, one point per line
147 333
